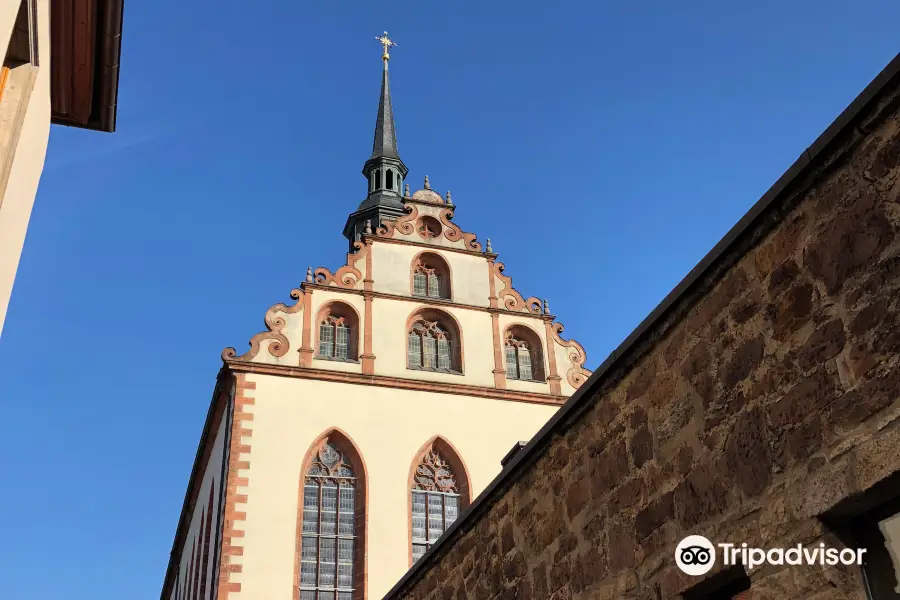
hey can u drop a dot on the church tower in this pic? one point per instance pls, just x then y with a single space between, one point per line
374 409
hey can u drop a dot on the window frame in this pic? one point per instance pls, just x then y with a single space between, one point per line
351 458
452 459
335 314
445 334
533 349
437 276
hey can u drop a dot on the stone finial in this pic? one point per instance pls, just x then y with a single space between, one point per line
546 307
309 277
449 199
427 183
368 226
487 247
406 191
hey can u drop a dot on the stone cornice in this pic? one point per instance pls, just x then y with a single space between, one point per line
438 387
436 302
387 240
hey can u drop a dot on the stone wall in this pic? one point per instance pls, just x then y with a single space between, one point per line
767 396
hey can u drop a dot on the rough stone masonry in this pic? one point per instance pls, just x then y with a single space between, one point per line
765 396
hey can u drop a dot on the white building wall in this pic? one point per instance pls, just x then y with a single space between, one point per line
24 131
389 426
212 480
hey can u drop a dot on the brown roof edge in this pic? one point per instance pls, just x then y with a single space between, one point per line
109 44
625 354
181 529
107 51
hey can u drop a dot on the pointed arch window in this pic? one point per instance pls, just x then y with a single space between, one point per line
439 492
377 180
523 355
390 179
330 522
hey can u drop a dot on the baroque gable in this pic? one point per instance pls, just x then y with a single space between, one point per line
368 316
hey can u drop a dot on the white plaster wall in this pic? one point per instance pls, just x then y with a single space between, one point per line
389 338
391 265
212 478
30 150
388 426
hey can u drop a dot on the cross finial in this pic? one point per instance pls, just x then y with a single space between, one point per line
387 43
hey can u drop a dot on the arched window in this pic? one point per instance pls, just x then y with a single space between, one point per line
332 522
338 332
430 277
433 343
523 354
439 492
377 180
390 179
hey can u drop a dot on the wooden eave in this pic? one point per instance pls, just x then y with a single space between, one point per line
85 46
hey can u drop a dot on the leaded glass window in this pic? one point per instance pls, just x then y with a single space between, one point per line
427 281
420 283
435 502
429 347
521 359
334 338
328 533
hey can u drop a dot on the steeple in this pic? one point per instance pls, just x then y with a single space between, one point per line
384 171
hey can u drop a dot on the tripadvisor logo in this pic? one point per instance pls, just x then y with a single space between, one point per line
696 555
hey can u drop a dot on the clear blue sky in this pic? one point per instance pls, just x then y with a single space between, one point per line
603 147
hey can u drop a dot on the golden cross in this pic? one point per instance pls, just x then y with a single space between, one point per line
387 43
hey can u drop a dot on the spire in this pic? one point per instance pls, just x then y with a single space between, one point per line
385 144
384 170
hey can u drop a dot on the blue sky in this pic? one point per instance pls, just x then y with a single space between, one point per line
603 147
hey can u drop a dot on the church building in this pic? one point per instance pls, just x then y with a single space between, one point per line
374 409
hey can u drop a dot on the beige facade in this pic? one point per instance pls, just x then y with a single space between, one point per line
24 128
41 42
364 422
374 404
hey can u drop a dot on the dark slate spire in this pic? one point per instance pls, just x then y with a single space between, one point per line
384 171
385 144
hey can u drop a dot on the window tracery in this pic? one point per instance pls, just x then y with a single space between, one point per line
429 281
329 527
523 356
338 333
435 501
430 347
